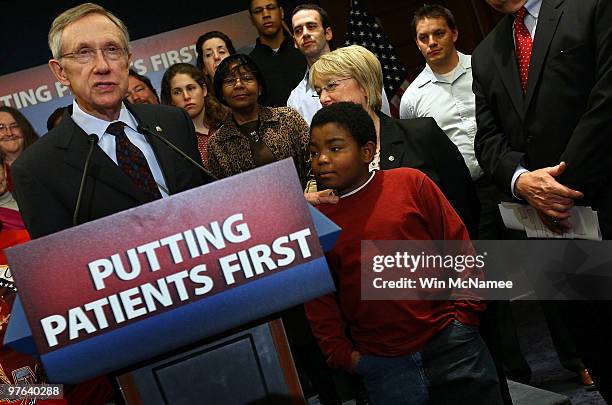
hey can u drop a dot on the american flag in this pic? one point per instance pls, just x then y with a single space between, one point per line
366 31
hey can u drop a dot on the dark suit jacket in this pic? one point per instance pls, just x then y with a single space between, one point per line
421 144
47 175
566 114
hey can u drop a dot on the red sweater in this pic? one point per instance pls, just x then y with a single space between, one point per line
398 204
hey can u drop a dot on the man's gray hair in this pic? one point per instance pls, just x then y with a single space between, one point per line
71 15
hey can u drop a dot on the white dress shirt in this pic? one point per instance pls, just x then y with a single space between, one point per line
94 125
450 101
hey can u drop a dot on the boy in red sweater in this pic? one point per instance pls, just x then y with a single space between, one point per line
408 352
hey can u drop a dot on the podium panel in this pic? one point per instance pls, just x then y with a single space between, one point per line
252 366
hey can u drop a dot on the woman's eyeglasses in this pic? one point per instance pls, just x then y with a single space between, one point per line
232 81
331 86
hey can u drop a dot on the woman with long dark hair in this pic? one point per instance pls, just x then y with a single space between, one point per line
211 48
184 86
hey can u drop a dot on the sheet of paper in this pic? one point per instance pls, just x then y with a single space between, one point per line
511 214
585 223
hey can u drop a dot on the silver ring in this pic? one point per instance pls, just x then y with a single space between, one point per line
555 222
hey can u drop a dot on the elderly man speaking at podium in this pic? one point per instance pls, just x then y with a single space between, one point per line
108 156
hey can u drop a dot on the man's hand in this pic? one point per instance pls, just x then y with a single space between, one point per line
543 192
555 225
322 197
551 199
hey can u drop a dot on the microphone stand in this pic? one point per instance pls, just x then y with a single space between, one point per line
145 129
93 140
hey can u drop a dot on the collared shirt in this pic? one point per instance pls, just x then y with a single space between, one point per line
305 100
531 22
451 103
94 125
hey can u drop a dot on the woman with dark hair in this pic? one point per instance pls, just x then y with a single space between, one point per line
184 86
211 48
254 135
16 134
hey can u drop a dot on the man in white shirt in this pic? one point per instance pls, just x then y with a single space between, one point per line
312 33
443 90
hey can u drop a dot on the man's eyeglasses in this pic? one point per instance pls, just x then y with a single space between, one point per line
331 86
86 55
5 129
232 81
269 7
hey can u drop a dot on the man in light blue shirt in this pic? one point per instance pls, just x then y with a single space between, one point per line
443 90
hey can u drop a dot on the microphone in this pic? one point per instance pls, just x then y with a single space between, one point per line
144 129
93 141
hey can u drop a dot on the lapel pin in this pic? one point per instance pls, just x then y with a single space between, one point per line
158 129
391 158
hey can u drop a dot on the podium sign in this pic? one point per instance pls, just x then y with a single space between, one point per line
124 288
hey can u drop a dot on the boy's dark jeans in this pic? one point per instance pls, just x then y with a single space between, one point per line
453 368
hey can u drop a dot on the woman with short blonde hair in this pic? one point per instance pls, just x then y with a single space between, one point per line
357 62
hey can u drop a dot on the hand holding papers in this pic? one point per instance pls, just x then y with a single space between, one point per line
585 224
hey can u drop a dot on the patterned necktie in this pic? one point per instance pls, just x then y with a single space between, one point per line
523 41
132 161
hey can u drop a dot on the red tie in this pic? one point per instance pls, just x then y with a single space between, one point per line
522 39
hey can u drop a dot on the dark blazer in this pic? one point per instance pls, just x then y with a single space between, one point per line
566 114
421 144
47 175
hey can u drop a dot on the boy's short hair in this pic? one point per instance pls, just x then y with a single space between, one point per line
349 116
